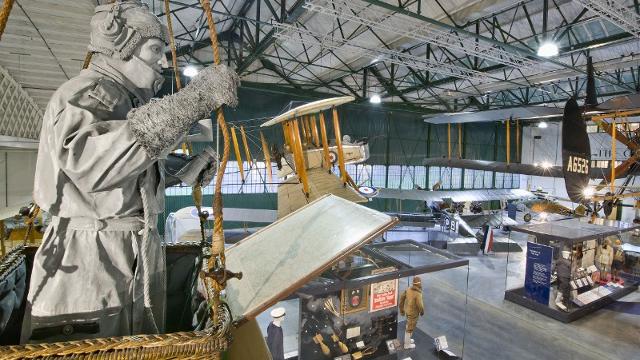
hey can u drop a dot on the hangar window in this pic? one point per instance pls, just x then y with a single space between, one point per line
456 178
499 183
488 180
378 175
434 175
394 176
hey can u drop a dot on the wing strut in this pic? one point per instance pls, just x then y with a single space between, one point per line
449 140
236 150
314 131
459 140
267 157
325 143
336 130
613 155
246 146
508 129
517 140
301 169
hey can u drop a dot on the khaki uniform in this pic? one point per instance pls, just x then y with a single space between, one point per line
87 278
412 306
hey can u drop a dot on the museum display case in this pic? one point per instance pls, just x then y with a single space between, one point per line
352 309
572 267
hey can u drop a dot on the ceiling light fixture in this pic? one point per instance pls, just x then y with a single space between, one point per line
375 99
548 49
542 125
190 71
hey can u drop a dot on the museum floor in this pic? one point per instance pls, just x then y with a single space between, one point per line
498 329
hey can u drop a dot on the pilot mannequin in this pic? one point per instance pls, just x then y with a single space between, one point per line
618 260
605 259
563 270
100 173
275 340
411 306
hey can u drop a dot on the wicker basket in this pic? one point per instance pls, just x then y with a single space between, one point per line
177 345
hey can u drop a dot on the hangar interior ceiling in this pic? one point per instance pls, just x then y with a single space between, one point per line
420 55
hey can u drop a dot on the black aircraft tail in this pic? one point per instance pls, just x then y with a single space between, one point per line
576 151
592 97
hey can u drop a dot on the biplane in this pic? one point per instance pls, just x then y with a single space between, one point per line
576 168
309 156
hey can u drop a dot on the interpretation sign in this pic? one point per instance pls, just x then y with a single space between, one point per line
537 278
384 295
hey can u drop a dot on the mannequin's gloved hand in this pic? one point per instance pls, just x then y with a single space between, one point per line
200 170
160 123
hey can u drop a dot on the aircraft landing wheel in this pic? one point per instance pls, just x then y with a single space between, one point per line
527 217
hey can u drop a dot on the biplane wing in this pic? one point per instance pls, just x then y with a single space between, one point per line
291 196
455 195
522 113
503 167
513 168
309 108
493 220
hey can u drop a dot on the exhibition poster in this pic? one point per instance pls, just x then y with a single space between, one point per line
384 295
537 279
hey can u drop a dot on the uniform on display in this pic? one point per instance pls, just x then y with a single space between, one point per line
411 306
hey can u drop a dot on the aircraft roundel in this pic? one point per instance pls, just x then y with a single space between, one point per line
368 191
333 157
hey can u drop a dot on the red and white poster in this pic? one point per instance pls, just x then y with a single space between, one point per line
384 295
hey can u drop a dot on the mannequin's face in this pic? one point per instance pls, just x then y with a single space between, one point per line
151 51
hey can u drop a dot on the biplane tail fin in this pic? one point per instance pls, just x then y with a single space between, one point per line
576 152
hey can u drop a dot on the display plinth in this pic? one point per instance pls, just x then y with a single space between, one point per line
520 297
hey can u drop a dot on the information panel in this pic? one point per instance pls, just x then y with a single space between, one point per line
384 295
538 274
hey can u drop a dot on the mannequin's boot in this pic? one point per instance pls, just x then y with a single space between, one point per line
559 300
408 341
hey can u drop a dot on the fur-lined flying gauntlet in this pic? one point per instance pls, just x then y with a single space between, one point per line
159 124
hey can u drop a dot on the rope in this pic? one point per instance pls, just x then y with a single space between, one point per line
144 254
4 14
172 45
217 243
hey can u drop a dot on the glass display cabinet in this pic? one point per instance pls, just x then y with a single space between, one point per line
573 267
351 310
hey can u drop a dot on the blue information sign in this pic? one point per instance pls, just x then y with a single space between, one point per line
538 275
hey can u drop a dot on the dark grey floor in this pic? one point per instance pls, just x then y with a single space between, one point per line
484 326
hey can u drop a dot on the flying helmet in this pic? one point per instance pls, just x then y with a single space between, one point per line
118 28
